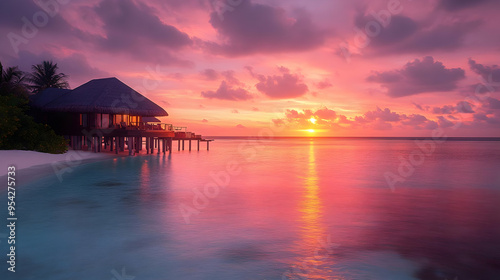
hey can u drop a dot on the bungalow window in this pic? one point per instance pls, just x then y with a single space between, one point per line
133 120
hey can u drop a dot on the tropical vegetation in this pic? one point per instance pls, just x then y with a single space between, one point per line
18 129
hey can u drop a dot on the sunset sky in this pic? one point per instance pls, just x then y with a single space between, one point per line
312 68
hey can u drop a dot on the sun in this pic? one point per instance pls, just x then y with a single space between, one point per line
310 130
313 120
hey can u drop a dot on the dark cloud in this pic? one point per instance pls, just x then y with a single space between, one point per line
490 74
133 28
401 34
384 115
210 74
23 24
440 38
415 120
431 125
382 31
286 85
465 107
251 28
492 103
230 78
418 106
127 23
226 92
241 126
455 5
446 109
444 123
481 117
419 76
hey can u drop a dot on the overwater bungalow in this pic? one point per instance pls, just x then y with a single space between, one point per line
106 114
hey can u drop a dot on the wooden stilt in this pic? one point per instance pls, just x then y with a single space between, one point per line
198 145
178 145
183 144
130 146
208 145
189 144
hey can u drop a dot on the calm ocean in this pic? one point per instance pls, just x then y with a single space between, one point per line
270 209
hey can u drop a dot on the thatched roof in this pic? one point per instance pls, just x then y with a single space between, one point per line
106 96
46 96
151 119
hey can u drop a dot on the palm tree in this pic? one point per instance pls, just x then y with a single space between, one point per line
12 81
45 76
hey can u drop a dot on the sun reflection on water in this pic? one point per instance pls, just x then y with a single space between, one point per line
313 261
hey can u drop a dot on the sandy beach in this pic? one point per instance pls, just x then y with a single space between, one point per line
23 160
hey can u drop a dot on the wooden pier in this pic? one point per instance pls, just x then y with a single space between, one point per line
134 141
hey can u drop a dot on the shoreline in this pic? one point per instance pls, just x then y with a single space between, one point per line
32 166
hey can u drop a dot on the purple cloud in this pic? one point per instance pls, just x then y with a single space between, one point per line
258 28
134 28
384 115
444 123
493 103
465 107
491 74
419 76
446 109
210 74
402 34
415 120
286 85
225 92
455 5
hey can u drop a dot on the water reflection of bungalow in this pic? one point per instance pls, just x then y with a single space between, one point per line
107 114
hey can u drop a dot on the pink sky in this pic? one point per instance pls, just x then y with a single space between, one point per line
311 68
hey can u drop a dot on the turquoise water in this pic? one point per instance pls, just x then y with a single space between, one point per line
268 209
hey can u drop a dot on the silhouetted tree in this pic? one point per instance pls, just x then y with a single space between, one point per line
12 81
45 75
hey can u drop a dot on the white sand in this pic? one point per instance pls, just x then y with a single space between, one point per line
25 159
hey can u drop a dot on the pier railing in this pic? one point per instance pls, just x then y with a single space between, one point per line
150 126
